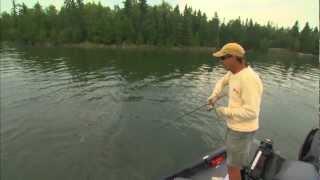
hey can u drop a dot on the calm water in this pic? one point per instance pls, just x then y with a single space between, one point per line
110 114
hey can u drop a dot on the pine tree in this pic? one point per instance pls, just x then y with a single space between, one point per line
138 23
294 37
14 8
215 40
306 42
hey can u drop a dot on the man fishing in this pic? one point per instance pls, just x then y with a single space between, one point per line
242 112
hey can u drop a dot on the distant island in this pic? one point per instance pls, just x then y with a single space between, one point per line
139 24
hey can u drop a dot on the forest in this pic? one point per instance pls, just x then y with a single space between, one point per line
137 23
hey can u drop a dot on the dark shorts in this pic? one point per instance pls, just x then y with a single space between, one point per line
238 146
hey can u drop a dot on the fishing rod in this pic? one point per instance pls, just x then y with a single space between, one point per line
190 112
210 107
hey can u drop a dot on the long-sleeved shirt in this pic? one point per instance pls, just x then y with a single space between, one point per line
245 92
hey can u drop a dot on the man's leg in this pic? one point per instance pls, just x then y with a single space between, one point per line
238 148
234 173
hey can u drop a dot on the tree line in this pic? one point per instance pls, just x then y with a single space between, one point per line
141 24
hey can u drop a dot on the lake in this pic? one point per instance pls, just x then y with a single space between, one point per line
72 113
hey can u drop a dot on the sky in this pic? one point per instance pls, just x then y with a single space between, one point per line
281 13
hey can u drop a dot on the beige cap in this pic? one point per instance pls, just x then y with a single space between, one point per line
231 48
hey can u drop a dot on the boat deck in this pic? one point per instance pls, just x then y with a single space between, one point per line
201 172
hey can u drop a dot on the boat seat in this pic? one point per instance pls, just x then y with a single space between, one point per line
297 170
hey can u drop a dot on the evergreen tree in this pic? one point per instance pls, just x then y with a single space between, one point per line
138 23
306 41
214 31
294 36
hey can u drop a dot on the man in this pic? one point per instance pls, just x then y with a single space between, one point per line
242 112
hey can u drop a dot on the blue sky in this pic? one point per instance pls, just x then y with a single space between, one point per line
279 12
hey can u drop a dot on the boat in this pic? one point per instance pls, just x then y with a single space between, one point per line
265 163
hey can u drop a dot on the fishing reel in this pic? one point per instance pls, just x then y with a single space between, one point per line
256 169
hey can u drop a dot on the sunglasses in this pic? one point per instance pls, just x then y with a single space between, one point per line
225 57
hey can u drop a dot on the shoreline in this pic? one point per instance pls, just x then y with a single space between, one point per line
89 45
288 51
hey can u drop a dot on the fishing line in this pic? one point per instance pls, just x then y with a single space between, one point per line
190 112
198 108
219 119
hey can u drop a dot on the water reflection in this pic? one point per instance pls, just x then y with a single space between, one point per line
110 114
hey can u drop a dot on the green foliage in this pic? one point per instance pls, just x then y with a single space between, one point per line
307 39
264 44
139 23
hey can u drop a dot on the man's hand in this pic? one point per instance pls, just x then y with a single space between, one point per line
222 112
212 100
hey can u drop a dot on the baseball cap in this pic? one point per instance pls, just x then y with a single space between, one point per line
234 49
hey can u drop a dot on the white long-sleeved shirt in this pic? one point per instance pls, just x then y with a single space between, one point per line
245 92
